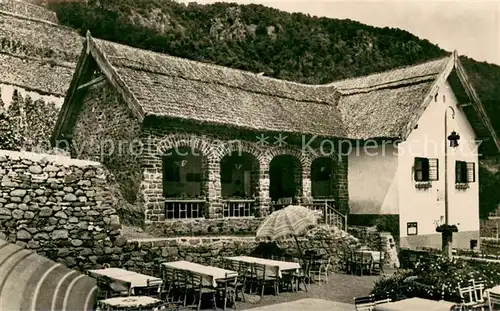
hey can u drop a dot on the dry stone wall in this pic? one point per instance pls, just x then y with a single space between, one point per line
146 255
63 209
58 206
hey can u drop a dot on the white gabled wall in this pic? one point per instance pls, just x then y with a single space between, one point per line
372 180
426 206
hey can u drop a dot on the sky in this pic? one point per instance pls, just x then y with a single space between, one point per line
470 27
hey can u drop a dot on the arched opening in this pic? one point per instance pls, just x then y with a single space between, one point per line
285 174
183 183
239 173
322 178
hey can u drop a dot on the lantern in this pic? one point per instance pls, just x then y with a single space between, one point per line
453 138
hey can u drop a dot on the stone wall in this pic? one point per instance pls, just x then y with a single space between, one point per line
146 255
58 206
214 145
380 241
488 227
106 131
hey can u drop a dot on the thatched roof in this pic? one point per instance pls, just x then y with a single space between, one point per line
28 9
171 87
154 85
37 55
381 104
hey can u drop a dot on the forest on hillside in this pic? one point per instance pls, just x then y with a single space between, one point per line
294 47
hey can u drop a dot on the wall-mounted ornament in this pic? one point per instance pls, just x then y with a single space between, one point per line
238 166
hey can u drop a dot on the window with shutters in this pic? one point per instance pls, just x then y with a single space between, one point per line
425 170
465 172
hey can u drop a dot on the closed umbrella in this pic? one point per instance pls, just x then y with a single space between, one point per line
292 221
32 282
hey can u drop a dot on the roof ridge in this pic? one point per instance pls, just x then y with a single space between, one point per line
391 84
2 12
50 61
389 71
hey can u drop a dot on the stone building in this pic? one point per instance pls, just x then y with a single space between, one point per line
209 149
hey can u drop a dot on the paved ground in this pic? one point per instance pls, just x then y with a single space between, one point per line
341 288
307 304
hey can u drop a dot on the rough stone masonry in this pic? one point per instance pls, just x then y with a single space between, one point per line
58 206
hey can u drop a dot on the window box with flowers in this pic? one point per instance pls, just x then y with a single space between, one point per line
425 171
465 173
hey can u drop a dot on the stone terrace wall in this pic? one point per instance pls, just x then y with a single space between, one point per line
57 206
146 255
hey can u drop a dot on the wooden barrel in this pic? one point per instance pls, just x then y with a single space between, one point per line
30 282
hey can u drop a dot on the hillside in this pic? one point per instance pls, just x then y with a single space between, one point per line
288 46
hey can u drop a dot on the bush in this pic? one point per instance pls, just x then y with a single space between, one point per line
437 278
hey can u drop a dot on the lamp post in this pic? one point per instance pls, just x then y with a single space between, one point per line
447 230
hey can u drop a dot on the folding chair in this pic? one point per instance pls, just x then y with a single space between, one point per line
468 295
378 264
365 303
493 300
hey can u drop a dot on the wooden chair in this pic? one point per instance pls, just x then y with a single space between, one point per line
378 265
362 262
200 290
493 300
183 285
153 287
293 279
229 288
262 275
108 288
364 303
167 292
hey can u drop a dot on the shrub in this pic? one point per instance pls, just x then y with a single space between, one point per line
437 278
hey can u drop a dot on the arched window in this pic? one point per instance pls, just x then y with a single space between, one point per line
322 178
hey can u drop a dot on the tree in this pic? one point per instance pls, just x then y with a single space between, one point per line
10 139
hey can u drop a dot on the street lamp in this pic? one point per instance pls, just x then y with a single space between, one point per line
446 229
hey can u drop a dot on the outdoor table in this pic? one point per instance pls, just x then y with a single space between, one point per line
495 290
210 275
128 303
375 255
121 275
415 304
283 265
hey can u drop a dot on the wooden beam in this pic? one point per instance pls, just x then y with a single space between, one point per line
91 82
67 107
466 105
478 106
430 96
115 80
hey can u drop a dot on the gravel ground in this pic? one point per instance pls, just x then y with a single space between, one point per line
307 304
340 288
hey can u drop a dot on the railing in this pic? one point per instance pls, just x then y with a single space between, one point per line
333 217
184 209
238 207
329 214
